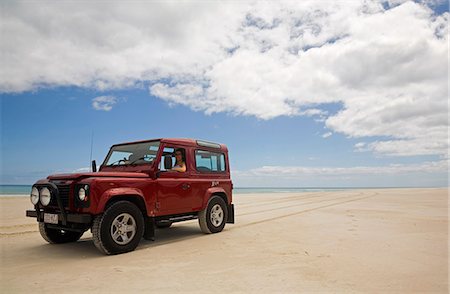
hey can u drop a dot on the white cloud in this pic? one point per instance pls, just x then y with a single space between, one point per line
431 173
298 171
360 146
104 103
423 146
265 59
185 94
326 135
429 167
82 170
313 112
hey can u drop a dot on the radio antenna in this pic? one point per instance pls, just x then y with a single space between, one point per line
92 144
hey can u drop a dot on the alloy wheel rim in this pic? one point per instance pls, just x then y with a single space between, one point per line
123 229
216 215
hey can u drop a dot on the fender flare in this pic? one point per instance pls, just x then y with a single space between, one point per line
210 192
114 192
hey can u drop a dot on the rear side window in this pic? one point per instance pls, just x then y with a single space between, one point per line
206 161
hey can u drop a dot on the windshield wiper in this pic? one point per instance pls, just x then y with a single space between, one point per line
118 161
140 158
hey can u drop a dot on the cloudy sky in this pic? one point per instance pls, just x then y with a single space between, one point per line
304 93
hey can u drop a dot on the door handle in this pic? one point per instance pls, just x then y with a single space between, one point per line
185 186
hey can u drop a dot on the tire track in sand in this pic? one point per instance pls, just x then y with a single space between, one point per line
284 199
305 211
300 204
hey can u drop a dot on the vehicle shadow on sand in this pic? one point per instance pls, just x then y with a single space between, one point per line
85 248
176 233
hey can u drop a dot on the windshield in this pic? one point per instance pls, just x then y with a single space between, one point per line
132 154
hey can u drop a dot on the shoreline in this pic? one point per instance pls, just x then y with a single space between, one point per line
286 191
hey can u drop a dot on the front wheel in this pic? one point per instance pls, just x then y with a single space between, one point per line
57 236
213 218
119 229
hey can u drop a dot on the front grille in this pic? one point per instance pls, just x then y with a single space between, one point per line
64 191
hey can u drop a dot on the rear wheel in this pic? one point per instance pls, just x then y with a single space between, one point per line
119 229
213 218
58 236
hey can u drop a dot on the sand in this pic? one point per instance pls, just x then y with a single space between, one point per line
387 240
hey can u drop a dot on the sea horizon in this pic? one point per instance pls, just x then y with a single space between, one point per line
24 190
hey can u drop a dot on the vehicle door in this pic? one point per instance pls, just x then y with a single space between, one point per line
174 193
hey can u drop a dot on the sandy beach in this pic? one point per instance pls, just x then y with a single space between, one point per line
377 240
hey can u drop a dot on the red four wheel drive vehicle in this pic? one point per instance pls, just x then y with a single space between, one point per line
136 190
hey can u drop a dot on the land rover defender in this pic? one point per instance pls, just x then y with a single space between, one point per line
136 191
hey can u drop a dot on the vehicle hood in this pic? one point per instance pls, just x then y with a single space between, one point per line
78 176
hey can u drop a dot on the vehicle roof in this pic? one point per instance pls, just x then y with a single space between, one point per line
182 141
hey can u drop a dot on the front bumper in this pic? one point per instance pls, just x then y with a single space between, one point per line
78 218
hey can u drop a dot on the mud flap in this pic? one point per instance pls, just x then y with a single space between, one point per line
149 232
230 219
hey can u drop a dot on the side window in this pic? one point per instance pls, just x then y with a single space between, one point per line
168 159
206 161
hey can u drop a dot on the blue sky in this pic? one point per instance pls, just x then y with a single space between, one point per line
350 112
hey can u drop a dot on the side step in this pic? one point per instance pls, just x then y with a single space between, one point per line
149 233
180 218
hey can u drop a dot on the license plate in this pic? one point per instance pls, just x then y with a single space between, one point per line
50 218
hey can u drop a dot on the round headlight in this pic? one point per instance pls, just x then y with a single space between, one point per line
82 194
46 196
34 196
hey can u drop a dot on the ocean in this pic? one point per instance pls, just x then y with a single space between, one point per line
15 190
282 190
26 189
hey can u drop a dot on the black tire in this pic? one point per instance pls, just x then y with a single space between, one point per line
106 229
210 224
163 224
57 236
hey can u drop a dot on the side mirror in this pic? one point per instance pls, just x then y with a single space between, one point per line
94 166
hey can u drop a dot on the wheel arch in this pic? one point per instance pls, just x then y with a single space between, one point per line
135 199
111 196
221 195
215 192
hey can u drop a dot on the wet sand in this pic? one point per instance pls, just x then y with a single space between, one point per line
387 240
